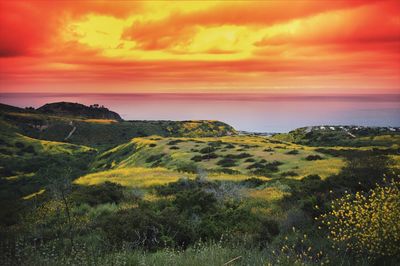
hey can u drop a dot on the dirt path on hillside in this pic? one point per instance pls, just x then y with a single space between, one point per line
70 133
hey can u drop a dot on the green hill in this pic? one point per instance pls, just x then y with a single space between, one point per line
350 136
101 133
236 155
23 164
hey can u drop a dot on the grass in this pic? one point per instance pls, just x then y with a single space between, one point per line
267 194
30 196
105 133
212 154
147 177
198 255
133 177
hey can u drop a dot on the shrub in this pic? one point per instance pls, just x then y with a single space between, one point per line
155 157
107 192
208 149
208 156
152 145
238 156
187 168
289 173
174 148
313 157
197 158
174 142
264 168
293 152
253 182
367 222
269 229
249 160
226 162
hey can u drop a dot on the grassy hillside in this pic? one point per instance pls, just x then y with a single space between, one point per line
23 164
350 136
104 133
193 193
251 156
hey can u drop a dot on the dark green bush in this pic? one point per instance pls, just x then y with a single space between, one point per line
174 142
226 162
253 182
98 194
208 149
289 173
238 156
313 157
154 157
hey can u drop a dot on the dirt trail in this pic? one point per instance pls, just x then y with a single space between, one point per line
70 133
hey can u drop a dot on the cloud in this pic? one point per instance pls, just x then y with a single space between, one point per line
27 27
377 23
200 45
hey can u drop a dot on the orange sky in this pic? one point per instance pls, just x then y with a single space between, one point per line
311 47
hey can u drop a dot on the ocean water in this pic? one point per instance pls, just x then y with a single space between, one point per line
249 112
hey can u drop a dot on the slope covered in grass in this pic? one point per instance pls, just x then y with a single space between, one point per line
104 133
23 164
251 156
350 136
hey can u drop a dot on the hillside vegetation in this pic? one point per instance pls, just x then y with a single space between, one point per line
350 136
252 156
79 190
97 132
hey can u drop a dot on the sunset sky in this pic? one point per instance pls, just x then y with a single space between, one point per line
294 47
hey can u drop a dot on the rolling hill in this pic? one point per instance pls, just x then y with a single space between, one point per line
63 122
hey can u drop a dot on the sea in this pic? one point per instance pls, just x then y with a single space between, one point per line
268 113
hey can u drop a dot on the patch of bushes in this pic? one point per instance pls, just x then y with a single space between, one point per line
174 148
174 142
253 182
215 144
155 157
107 192
226 162
314 157
187 168
238 156
152 145
293 152
264 168
289 173
208 149
208 156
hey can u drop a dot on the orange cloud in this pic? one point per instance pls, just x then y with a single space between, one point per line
315 46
